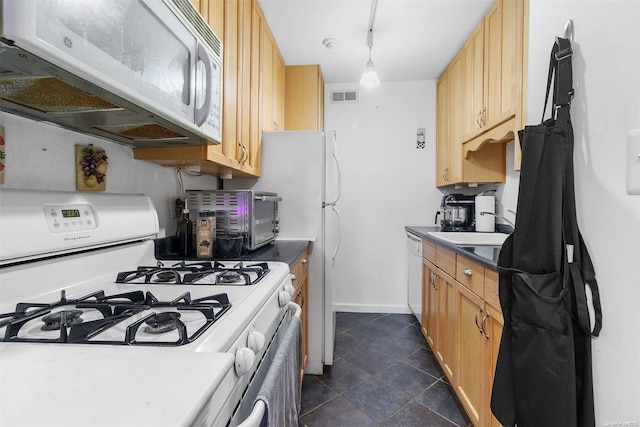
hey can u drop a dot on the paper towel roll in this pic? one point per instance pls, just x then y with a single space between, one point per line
485 223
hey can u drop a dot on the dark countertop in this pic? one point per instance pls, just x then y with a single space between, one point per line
280 250
483 255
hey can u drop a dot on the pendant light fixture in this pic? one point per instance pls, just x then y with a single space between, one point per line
370 78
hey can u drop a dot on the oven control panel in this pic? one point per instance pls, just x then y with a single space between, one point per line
69 218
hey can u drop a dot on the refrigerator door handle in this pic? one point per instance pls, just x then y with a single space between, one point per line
339 234
338 171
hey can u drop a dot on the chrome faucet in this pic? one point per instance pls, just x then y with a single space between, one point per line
499 216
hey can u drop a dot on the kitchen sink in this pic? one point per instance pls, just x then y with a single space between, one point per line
470 238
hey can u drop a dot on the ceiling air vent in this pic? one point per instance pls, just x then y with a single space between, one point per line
342 96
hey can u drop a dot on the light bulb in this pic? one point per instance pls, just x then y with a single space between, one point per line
369 78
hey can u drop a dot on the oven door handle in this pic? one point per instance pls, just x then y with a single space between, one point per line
297 310
257 413
255 418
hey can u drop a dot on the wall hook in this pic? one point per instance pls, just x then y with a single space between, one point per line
568 30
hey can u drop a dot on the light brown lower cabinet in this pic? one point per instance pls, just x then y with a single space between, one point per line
299 271
438 294
462 323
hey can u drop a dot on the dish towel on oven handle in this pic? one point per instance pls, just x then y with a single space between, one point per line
281 389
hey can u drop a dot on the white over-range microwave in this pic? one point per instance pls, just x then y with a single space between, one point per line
146 73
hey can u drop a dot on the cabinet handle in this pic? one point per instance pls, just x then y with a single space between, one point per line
467 272
483 330
433 281
479 118
294 277
242 156
476 321
301 299
304 260
484 116
245 153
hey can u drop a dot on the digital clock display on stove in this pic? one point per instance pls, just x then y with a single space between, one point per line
70 213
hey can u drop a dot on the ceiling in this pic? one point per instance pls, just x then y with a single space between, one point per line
413 39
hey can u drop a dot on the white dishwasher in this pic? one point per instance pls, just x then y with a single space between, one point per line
414 274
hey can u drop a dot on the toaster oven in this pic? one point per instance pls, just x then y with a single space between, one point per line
249 213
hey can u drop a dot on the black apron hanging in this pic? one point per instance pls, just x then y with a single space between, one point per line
543 373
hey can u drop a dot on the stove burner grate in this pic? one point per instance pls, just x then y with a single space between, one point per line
115 309
196 274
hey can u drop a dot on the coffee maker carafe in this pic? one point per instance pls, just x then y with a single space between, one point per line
457 213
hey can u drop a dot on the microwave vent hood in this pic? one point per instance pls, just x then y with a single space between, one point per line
38 89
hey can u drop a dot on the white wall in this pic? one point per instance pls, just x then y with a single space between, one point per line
606 106
387 183
42 156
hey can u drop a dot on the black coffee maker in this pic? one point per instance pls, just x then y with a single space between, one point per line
457 213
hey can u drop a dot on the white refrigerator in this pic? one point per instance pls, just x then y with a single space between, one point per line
302 167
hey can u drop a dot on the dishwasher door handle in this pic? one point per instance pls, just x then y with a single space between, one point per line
414 238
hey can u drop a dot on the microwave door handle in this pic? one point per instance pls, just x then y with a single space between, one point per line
203 112
268 198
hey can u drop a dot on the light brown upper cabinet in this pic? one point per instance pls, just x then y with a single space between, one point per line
272 72
304 97
490 93
486 165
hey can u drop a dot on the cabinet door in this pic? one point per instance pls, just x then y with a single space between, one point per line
429 303
299 278
470 371
300 298
244 81
257 21
278 88
492 324
304 97
438 316
474 83
447 324
501 40
442 129
456 107
231 71
266 81
272 83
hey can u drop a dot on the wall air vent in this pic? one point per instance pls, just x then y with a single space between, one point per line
344 96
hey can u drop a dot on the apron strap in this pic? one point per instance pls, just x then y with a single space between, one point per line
560 65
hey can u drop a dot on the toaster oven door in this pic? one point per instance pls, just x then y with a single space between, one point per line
264 220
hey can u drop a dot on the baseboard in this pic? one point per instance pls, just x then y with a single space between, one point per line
373 308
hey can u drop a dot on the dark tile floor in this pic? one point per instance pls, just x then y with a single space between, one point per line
383 374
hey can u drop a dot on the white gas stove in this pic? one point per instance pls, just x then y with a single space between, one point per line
97 331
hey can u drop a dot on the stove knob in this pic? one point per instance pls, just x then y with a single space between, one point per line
244 360
288 288
255 341
284 298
